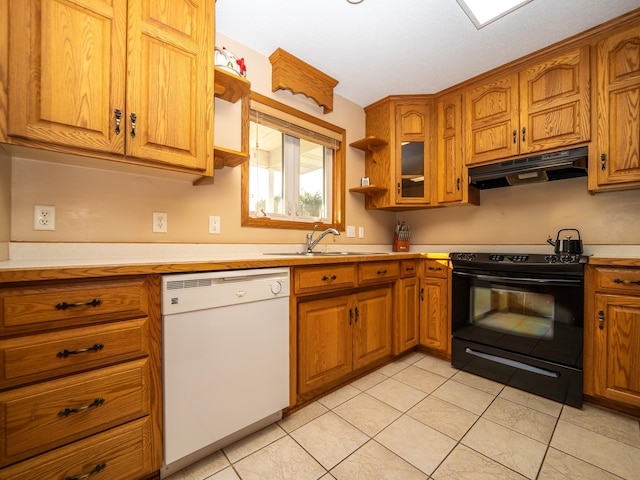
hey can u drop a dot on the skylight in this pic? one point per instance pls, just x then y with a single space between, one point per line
483 12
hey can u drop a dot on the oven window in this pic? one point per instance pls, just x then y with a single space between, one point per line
521 313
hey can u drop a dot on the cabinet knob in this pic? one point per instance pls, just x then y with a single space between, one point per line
603 161
118 113
524 136
601 320
134 118
515 136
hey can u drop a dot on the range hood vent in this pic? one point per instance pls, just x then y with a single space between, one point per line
541 168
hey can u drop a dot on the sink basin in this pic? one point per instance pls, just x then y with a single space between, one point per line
324 254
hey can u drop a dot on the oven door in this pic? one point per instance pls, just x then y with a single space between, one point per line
527 314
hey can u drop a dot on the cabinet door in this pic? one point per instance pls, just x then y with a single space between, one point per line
324 341
434 314
412 153
617 348
451 176
616 157
372 326
66 71
406 326
170 86
491 119
555 106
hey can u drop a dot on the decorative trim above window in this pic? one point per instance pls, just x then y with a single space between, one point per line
291 73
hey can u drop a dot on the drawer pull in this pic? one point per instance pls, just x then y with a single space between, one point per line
93 303
65 412
65 353
437 269
382 272
409 269
627 282
96 469
332 277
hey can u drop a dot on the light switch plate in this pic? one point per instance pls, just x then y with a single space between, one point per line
351 231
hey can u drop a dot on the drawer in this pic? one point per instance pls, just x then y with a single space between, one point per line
324 278
408 268
378 272
126 452
39 357
618 280
50 414
436 268
30 308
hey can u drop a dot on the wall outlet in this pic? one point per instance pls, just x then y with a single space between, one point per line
159 224
360 232
214 225
351 231
44 217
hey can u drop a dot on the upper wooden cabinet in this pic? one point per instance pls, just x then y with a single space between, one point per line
615 157
451 178
542 107
128 80
399 152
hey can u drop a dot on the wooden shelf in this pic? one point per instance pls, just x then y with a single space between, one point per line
369 190
369 144
230 87
224 157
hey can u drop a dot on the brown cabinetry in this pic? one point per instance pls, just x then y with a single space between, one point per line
612 334
126 80
80 385
615 158
343 325
435 329
406 328
399 152
543 107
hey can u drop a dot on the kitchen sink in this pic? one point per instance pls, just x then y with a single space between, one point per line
324 254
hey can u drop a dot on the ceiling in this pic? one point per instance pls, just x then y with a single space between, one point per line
383 47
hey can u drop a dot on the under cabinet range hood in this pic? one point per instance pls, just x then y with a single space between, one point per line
540 168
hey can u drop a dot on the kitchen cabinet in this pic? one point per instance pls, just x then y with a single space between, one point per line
542 107
452 180
126 80
406 332
399 152
614 162
80 387
341 330
435 328
612 334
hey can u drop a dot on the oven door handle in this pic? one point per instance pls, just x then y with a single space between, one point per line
521 280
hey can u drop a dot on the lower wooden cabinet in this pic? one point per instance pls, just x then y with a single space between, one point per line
435 329
341 334
612 334
406 332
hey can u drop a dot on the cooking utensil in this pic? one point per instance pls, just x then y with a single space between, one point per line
567 245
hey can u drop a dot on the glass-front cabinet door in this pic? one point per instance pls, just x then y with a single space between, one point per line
413 183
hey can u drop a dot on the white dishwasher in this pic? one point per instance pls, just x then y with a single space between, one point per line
225 358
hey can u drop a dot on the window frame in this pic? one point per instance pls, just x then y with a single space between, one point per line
338 172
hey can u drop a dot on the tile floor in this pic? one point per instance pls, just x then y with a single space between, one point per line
419 418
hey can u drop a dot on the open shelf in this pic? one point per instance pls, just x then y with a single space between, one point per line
369 190
369 144
229 86
224 157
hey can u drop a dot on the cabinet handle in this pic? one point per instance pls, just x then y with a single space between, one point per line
325 278
382 272
65 353
626 282
515 136
398 188
409 269
134 117
437 269
458 183
93 303
524 131
350 316
603 161
96 469
422 294
357 315
118 113
601 320
65 412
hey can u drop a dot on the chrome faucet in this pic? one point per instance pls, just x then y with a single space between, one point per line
312 243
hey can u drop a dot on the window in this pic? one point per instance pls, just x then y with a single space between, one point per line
295 174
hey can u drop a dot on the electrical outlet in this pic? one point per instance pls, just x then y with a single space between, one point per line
360 232
159 222
44 217
351 231
214 225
